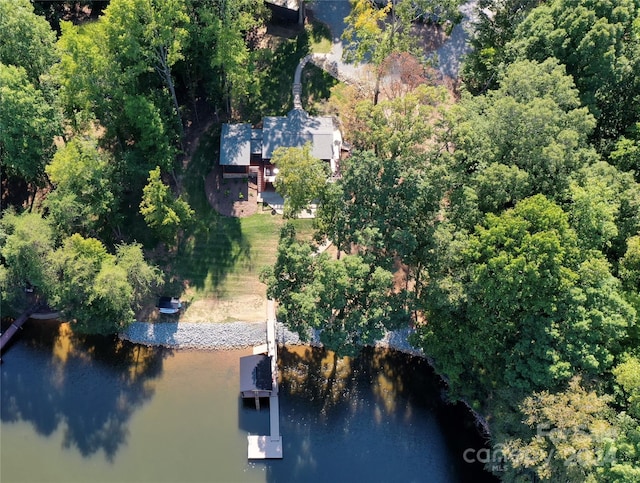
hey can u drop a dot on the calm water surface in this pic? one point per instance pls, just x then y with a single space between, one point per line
77 409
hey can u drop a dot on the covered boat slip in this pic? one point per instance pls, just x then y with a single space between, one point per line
255 376
259 378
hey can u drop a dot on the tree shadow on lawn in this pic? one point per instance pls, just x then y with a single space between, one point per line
213 244
211 251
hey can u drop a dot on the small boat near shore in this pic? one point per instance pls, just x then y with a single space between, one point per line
169 305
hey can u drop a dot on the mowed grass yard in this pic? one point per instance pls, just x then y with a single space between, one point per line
219 267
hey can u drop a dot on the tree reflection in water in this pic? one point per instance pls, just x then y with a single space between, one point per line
352 418
319 377
88 385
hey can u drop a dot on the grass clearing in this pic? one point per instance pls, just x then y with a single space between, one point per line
219 267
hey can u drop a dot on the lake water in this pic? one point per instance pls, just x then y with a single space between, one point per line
94 409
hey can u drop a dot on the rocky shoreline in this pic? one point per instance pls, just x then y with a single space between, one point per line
234 335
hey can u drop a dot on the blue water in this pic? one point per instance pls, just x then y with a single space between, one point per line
101 410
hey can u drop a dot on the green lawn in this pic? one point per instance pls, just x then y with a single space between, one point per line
217 268
320 38
224 256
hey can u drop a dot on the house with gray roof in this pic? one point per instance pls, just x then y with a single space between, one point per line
246 151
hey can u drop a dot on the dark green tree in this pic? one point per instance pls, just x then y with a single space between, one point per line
533 122
499 186
385 210
81 290
26 39
626 152
494 29
84 194
220 50
118 82
630 263
599 42
349 302
90 91
145 35
28 124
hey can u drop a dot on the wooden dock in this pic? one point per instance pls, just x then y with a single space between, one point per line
17 324
269 446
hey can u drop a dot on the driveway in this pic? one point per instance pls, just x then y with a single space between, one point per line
450 54
333 12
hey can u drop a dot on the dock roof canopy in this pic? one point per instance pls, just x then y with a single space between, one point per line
255 374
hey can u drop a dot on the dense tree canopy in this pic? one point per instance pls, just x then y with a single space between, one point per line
532 125
399 126
500 221
599 42
524 305
573 438
605 208
494 28
91 290
26 242
26 39
348 301
95 290
144 36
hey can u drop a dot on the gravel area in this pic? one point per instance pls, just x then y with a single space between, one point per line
232 335
203 335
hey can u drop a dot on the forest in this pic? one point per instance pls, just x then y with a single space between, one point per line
499 218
